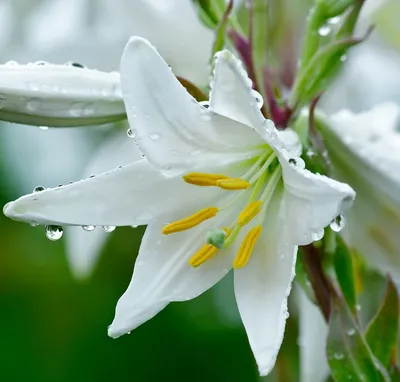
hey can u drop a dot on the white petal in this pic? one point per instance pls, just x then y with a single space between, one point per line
310 201
231 91
162 273
83 248
171 128
365 150
59 95
129 195
313 334
262 288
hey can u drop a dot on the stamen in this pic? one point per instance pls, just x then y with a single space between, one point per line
233 184
202 179
206 252
249 212
246 248
190 221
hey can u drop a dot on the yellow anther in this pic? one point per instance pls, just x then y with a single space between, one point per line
202 179
190 221
249 212
233 184
246 248
206 252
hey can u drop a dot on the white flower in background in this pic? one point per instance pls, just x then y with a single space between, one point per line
42 30
218 189
365 151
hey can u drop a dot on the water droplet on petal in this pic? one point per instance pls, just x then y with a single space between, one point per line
334 20
77 109
75 64
130 133
269 125
11 63
38 189
53 232
338 355
324 30
109 228
40 63
88 228
338 223
258 97
135 226
205 104
343 58
33 223
43 128
315 236
351 332
154 136
33 104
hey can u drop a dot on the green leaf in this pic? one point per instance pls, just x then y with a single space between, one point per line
343 264
349 357
382 332
221 30
208 11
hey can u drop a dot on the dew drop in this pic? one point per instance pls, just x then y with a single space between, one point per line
33 223
77 109
11 63
205 104
358 308
43 128
317 235
343 58
40 63
75 64
351 332
143 156
109 228
338 223
292 161
38 189
324 30
269 125
53 232
334 20
88 228
154 136
135 226
33 104
338 355
130 133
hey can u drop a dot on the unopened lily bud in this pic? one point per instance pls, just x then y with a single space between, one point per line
59 95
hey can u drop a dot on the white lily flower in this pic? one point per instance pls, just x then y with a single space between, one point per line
255 202
59 95
365 151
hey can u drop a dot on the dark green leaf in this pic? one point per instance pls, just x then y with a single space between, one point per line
348 354
382 332
343 264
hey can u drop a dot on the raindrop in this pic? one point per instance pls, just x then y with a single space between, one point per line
43 128
109 228
33 223
53 232
334 20
11 63
143 156
130 133
38 189
154 136
128 333
358 307
293 161
338 355
135 226
77 109
205 104
33 104
269 125
351 332
258 97
92 176
88 228
40 63
317 235
338 223
343 58
324 30
75 64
